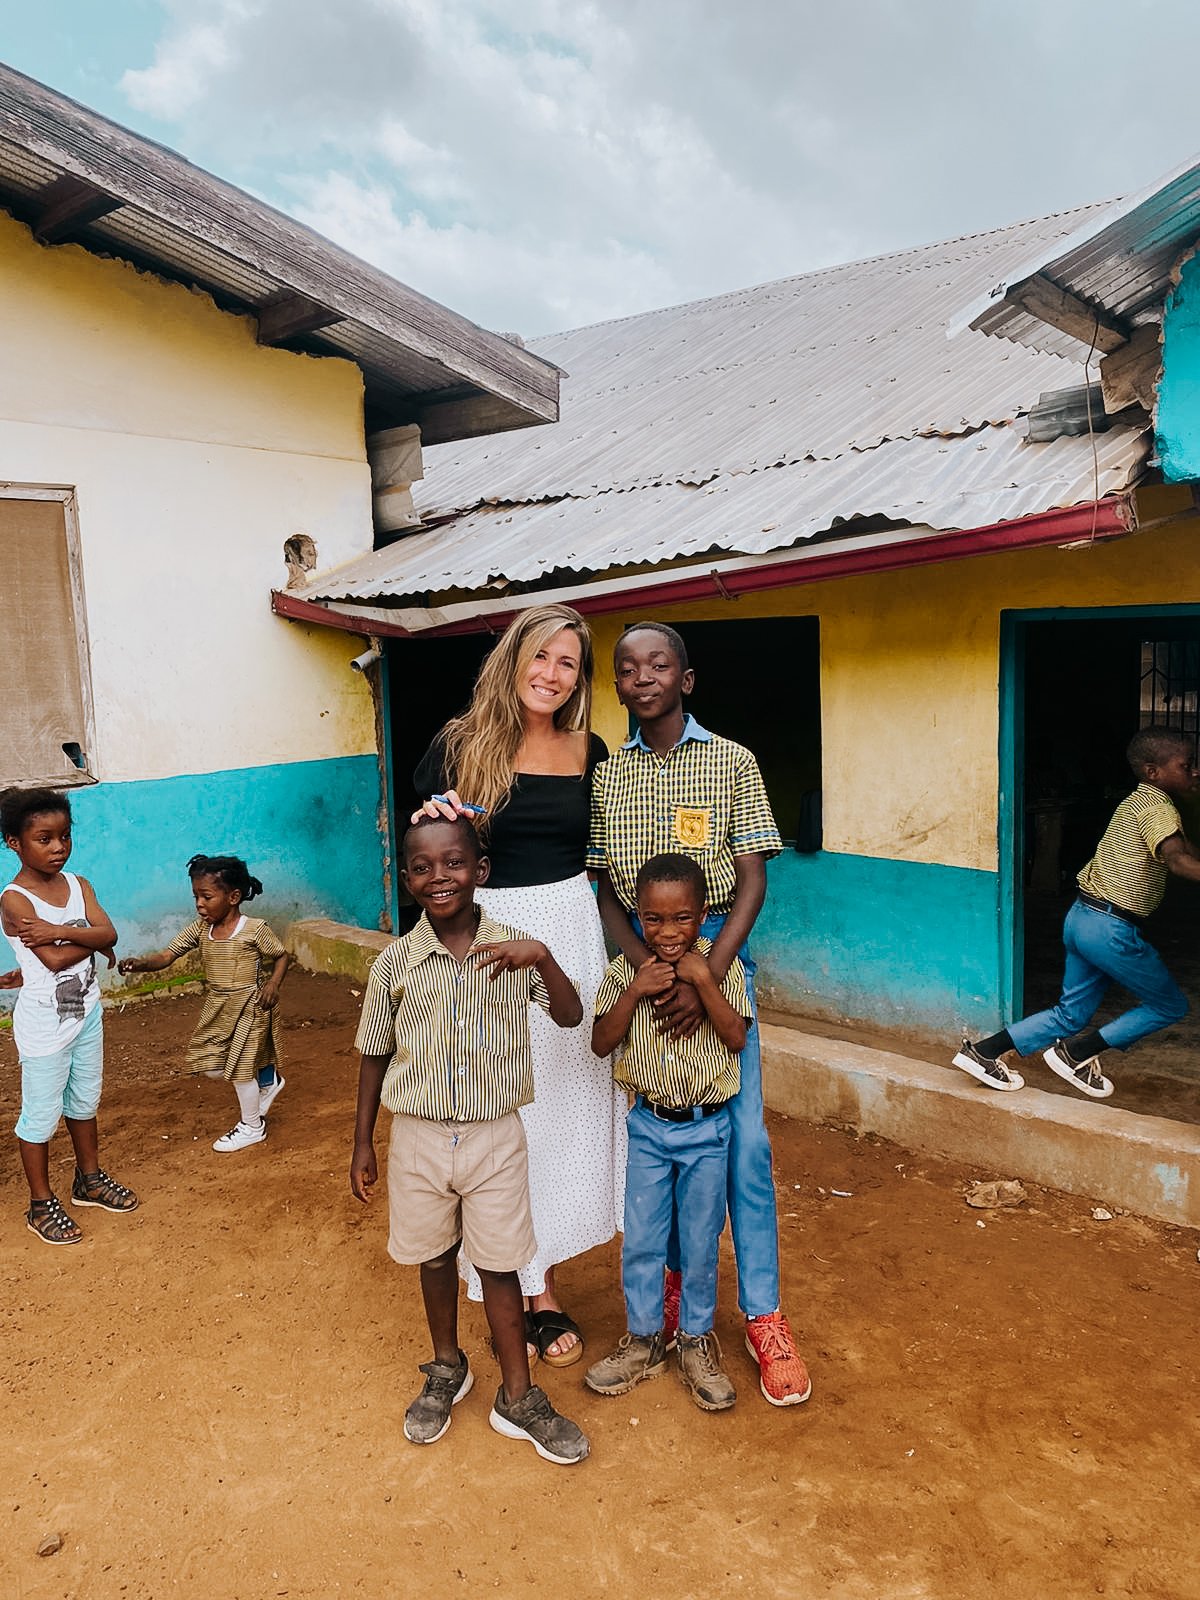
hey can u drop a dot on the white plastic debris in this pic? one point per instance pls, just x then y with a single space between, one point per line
1100 1214
1000 1192
843 1194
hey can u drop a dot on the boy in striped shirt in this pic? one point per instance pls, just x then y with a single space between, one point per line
1118 889
444 1038
679 1132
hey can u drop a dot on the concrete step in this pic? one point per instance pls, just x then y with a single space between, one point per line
1147 1165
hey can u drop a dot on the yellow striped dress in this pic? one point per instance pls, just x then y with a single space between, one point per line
234 1033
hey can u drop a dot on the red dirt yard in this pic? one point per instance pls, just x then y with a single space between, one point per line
205 1398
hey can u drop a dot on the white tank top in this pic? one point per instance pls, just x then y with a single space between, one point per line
52 1007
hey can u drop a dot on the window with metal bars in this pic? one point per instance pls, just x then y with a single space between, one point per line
1170 685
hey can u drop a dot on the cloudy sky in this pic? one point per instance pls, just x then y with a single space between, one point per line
538 164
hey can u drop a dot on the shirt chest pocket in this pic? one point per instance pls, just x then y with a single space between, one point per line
693 827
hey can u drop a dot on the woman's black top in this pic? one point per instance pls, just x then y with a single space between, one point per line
540 834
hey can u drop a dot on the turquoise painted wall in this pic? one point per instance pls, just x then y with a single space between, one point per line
308 829
1177 424
896 944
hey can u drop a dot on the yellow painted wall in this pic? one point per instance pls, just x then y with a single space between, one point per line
910 680
194 454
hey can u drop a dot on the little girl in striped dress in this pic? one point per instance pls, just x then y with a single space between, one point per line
237 1036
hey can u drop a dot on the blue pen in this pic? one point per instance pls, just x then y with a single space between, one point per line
475 811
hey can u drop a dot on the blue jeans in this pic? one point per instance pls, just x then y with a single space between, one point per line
1103 949
751 1181
675 1185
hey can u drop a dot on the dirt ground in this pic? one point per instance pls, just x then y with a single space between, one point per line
205 1397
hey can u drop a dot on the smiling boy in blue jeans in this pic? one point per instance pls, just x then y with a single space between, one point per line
676 787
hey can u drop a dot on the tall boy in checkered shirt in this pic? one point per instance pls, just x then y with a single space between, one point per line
1118 889
676 787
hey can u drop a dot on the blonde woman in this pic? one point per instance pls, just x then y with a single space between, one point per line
524 752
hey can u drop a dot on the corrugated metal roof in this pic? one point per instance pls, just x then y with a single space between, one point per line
1118 261
986 477
755 420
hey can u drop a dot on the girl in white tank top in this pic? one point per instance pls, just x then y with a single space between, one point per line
56 927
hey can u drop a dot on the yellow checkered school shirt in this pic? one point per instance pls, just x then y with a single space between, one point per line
459 1039
1126 870
704 799
678 1073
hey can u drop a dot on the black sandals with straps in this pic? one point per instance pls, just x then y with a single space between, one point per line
98 1189
52 1223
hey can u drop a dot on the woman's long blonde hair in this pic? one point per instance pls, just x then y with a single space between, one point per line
482 743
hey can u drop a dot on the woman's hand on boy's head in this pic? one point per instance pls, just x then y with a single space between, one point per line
653 977
510 956
450 808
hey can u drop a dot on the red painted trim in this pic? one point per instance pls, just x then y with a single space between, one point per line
1107 519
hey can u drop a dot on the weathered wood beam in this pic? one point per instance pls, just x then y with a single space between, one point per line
286 316
1129 375
68 204
1049 302
470 417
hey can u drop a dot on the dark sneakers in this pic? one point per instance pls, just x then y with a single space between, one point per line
987 1069
635 1359
427 1419
532 1417
1082 1075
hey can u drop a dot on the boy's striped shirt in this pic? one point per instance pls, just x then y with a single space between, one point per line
675 1072
704 799
458 1038
1126 870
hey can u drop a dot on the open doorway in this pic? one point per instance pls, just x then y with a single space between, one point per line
1083 683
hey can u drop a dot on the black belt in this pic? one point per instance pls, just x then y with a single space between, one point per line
687 1114
1114 911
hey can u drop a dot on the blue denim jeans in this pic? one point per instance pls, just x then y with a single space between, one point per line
751 1181
1101 950
676 1170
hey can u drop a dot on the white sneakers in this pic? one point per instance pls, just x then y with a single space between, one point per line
268 1096
241 1137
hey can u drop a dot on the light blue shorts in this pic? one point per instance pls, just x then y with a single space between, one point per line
66 1084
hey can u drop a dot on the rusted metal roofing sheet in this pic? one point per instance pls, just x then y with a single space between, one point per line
1118 261
754 421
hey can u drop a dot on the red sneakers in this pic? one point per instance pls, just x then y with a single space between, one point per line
783 1377
671 1294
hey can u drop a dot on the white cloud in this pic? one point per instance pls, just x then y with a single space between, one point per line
538 163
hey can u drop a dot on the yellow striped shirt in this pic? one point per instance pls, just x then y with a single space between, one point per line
1126 870
675 1072
704 799
459 1039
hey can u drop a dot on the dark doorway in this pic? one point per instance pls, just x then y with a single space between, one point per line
759 681
1089 684
429 681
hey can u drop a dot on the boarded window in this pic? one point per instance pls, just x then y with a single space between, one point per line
43 726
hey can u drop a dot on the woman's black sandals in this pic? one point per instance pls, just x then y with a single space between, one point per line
544 1328
51 1222
98 1189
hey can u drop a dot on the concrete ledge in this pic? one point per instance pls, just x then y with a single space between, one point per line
1145 1164
334 947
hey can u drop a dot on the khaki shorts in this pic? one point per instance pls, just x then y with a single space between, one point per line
460 1180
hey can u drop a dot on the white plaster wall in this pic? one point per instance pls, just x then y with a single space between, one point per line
194 454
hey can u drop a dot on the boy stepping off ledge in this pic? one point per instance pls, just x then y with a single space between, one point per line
679 1133
444 1038
1118 889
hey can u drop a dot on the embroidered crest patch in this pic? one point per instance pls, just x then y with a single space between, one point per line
693 826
